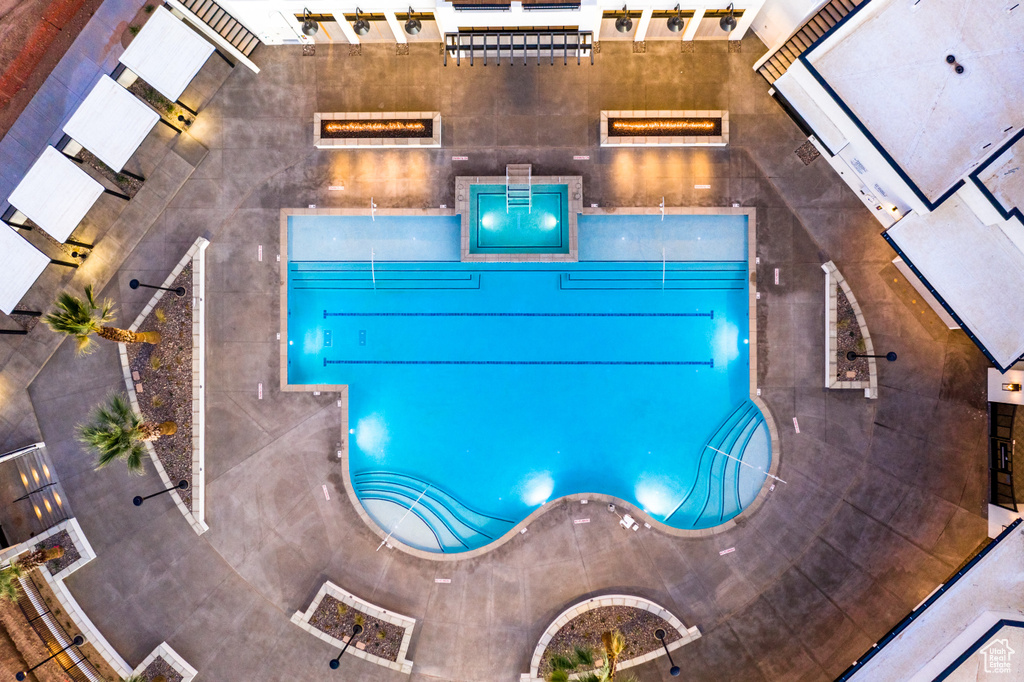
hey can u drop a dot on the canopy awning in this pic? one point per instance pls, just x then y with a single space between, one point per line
111 123
56 194
20 266
167 54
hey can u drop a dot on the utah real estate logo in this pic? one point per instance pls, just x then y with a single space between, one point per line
997 656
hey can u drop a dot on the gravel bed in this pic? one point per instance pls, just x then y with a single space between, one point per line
807 152
336 619
71 554
169 110
849 338
161 668
165 373
127 185
585 630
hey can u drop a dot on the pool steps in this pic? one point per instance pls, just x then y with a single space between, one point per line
718 488
455 526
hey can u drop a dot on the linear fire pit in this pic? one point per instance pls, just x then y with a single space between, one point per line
380 130
664 128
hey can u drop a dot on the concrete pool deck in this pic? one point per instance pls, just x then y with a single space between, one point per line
884 498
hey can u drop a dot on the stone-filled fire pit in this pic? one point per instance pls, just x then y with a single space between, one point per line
383 128
376 130
664 128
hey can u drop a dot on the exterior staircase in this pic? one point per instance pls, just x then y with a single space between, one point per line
518 187
816 27
222 23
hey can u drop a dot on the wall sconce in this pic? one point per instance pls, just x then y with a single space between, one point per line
309 27
675 24
728 22
413 26
1011 387
360 26
624 24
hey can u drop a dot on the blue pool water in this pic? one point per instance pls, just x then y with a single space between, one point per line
479 392
541 227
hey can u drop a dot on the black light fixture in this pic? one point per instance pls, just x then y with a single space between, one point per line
336 662
139 499
675 24
728 22
309 27
674 670
77 641
360 26
624 24
853 355
413 25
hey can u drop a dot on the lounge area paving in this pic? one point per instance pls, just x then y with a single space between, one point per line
883 500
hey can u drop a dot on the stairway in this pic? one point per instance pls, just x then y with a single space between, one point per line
214 16
816 27
518 187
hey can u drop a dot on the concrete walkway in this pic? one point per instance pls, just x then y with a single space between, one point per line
884 498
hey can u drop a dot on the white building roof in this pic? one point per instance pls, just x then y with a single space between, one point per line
56 194
976 268
111 123
887 64
1004 177
167 54
20 266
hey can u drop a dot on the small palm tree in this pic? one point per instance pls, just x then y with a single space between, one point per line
613 643
117 432
10 588
83 318
40 557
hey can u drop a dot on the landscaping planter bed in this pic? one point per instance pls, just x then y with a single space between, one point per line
636 625
163 379
849 337
128 185
158 668
378 637
71 555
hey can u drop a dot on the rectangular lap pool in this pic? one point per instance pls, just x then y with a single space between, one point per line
477 392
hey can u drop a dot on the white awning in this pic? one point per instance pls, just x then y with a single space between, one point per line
167 54
111 123
56 194
20 266
976 269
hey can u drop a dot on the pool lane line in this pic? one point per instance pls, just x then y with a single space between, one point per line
710 314
631 363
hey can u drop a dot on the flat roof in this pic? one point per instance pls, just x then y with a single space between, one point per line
56 194
167 54
111 123
887 65
1003 177
975 268
20 266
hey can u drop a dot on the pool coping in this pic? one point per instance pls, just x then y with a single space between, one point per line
522 526
575 207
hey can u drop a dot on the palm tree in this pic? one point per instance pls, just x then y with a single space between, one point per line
80 319
10 589
117 432
40 557
613 643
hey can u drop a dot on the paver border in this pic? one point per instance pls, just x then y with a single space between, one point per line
197 254
518 529
343 143
606 140
302 618
834 280
173 659
686 634
575 207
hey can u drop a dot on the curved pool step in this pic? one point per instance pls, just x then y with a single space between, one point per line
722 486
455 526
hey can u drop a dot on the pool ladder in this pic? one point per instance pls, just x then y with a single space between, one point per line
518 186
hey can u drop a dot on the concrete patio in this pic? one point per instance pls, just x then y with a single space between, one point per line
883 500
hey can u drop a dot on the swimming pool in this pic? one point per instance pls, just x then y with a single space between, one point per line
478 392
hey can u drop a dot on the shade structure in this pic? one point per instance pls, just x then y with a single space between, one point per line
111 123
167 54
56 194
20 266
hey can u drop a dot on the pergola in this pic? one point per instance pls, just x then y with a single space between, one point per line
111 123
56 194
167 54
20 266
